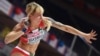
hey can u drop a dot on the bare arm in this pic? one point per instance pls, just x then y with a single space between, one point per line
14 34
73 30
66 28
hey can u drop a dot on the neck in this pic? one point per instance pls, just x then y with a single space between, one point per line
34 24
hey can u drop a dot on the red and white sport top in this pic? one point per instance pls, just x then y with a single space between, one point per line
34 37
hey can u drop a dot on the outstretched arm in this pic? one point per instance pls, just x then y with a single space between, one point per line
72 30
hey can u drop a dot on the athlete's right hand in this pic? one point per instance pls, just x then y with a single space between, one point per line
24 24
19 26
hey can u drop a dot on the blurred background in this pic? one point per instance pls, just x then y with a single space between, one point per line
81 14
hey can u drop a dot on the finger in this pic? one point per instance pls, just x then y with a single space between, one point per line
89 41
93 35
96 34
92 30
94 38
23 21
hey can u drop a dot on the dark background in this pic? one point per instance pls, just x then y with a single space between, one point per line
71 12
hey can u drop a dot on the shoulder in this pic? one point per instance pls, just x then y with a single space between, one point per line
48 19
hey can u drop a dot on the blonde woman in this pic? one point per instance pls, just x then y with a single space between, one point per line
33 28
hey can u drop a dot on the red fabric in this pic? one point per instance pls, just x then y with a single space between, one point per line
28 30
15 50
41 25
23 39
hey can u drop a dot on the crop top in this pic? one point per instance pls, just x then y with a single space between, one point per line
33 36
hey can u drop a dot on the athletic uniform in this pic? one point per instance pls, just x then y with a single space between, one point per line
30 37
22 51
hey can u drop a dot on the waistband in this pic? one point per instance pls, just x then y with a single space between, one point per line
22 50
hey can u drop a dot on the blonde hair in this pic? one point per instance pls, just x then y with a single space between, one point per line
48 24
34 7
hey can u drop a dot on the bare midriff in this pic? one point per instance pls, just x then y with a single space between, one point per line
31 48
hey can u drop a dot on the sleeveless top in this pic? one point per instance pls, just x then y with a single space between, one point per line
33 36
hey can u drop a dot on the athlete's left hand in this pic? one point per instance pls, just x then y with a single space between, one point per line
90 36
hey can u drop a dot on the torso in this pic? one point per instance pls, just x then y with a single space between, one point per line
29 48
32 39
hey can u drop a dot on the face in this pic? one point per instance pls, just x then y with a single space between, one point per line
38 13
36 16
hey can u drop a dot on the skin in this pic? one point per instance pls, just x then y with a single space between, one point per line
37 17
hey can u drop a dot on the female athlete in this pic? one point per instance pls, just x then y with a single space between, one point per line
32 29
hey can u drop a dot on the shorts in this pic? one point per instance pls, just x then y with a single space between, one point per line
18 49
